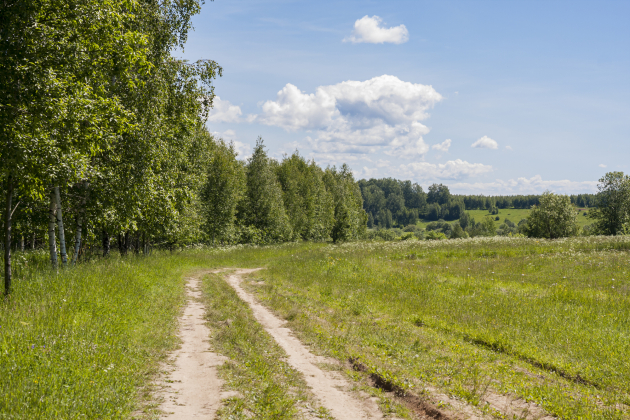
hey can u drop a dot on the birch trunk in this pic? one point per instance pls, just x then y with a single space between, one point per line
7 237
106 243
52 218
33 241
62 235
77 242
22 244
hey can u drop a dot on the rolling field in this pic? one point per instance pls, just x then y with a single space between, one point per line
515 215
545 323
542 321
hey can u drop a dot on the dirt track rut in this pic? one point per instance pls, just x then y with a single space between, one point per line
329 387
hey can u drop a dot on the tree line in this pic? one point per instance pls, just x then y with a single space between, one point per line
394 203
104 142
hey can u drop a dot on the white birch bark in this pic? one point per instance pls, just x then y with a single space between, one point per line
62 235
52 218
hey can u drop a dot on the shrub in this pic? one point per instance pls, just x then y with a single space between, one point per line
434 235
552 218
406 236
458 232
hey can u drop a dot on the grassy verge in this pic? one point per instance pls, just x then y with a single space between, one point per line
84 343
538 320
268 388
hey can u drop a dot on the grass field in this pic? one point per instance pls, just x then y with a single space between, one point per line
82 343
515 215
544 321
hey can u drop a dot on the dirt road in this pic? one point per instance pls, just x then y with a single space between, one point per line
329 387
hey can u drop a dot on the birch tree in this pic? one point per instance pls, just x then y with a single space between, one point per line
262 215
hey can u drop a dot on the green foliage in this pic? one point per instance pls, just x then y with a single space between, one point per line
612 205
350 218
262 208
553 218
391 201
223 190
308 204
439 194
457 232
434 235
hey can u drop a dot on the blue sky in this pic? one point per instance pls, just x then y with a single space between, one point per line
542 88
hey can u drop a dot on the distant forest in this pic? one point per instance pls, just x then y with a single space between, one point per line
391 202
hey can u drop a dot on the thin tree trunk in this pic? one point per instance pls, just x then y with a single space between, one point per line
52 218
144 244
62 234
7 237
120 244
22 244
106 243
33 241
126 242
77 242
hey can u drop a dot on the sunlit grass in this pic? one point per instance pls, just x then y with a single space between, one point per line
541 320
545 321
257 368
83 343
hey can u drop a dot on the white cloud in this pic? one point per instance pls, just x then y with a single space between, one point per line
453 169
601 165
534 185
369 30
485 143
243 150
508 147
365 172
225 135
382 114
443 147
224 111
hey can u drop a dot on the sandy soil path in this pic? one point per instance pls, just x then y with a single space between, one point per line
192 390
329 387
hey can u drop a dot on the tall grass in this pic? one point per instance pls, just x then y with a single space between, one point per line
82 343
548 321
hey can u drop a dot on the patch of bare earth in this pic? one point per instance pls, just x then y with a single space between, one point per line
192 388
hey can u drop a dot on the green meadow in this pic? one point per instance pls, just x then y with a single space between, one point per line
515 215
546 322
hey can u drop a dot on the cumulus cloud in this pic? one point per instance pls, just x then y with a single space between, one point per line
382 114
508 147
533 185
224 111
601 165
225 135
451 170
243 150
369 30
485 143
443 147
